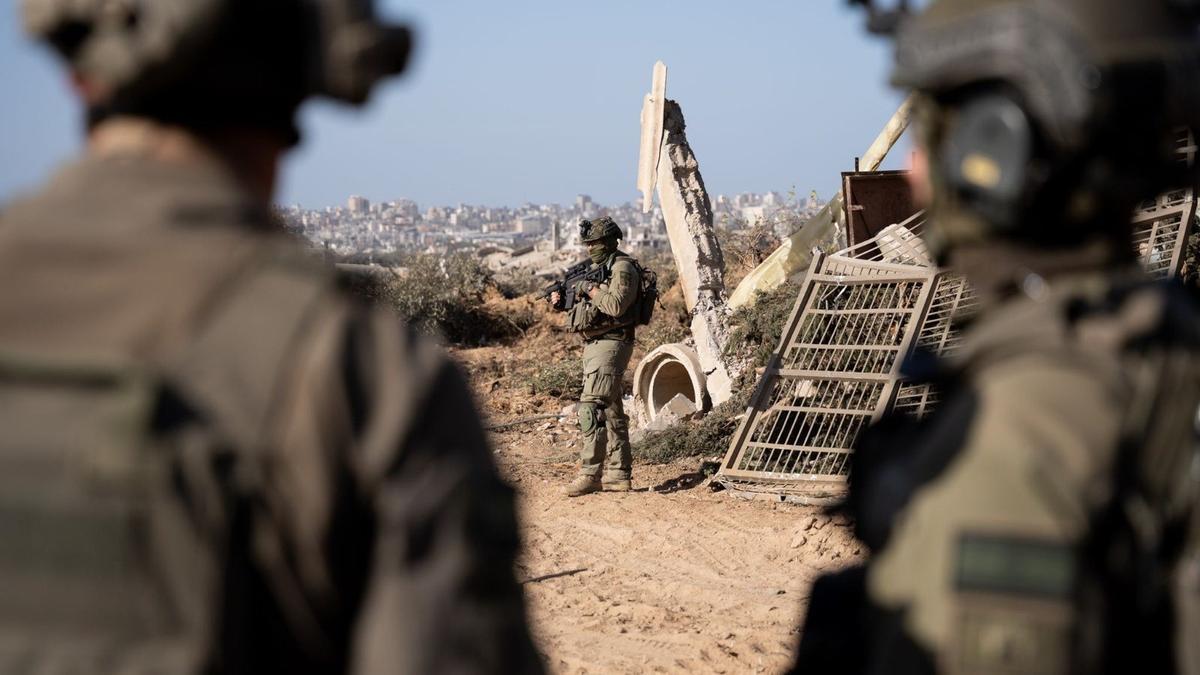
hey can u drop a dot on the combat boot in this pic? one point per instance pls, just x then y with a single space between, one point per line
616 484
583 485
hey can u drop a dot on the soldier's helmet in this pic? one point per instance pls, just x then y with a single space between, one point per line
1069 108
210 63
601 228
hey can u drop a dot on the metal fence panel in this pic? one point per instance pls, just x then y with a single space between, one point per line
1160 230
834 371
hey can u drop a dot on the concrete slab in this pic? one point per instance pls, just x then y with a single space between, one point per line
652 131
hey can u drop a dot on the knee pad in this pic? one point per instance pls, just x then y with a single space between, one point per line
589 417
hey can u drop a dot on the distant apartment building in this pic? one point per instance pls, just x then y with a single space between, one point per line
532 224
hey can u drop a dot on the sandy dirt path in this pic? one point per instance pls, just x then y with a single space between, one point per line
670 578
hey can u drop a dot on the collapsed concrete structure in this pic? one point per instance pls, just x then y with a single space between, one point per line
667 164
699 369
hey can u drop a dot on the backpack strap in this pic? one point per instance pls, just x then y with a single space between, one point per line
1136 537
236 364
234 374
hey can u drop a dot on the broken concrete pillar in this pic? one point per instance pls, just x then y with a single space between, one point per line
687 212
793 256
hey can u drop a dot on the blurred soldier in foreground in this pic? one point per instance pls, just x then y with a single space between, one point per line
1044 519
608 311
211 458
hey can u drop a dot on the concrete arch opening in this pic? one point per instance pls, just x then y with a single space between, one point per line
666 372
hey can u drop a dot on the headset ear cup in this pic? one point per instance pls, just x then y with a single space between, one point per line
986 152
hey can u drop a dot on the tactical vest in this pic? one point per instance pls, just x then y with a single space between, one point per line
123 487
1131 592
595 324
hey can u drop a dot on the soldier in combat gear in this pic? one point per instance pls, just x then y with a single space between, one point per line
606 318
1045 518
214 459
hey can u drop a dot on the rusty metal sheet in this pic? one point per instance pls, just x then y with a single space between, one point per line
874 200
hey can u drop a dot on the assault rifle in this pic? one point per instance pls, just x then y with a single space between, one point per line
569 286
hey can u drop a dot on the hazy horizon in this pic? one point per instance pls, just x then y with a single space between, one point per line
537 101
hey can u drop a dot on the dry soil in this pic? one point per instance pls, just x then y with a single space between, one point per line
672 577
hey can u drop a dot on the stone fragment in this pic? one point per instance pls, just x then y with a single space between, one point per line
665 420
681 407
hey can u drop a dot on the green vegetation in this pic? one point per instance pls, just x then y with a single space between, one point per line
756 329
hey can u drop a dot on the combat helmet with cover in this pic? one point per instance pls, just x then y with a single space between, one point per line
212 63
601 228
1048 120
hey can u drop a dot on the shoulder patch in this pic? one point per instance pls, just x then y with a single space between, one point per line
1014 565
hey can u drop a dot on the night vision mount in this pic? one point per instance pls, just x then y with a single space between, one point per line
884 20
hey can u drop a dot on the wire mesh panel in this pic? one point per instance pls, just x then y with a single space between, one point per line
952 299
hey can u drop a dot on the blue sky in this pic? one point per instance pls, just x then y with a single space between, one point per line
538 100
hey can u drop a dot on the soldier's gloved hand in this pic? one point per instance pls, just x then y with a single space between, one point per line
555 297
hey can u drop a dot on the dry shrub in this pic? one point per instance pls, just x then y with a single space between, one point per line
745 248
561 378
709 435
448 296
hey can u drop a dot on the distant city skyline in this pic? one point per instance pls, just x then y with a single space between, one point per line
348 200
538 101
360 227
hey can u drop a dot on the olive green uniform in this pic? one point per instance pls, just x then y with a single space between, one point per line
989 521
606 320
302 485
984 562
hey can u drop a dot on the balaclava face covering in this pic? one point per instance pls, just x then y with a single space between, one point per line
601 253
